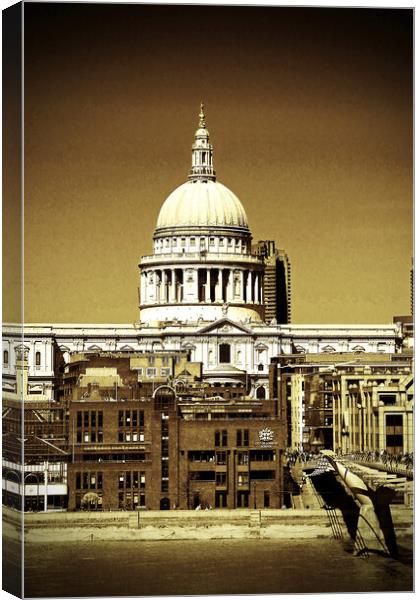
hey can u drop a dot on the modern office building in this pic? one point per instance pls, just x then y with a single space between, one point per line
277 291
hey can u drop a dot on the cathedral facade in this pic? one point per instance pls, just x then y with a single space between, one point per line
204 290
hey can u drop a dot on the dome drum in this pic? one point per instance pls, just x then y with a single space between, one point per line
199 312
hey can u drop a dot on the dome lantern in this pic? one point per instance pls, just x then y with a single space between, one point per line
202 153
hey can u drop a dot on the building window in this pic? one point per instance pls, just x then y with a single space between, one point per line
192 241
221 458
87 423
212 241
261 393
242 437
37 359
224 353
243 458
151 372
243 478
220 478
165 371
220 439
151 360
5 357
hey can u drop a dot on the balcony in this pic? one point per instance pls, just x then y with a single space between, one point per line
199 257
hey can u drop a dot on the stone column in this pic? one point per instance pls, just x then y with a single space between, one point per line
242 280
172 297
208 300
142 295
256 299
249 288
230 289
219 286
163 282
145 290
155 287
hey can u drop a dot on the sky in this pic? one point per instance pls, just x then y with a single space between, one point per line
310 116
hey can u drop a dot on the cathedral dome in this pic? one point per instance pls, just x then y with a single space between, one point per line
202 203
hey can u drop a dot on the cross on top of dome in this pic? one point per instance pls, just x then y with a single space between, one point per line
202 123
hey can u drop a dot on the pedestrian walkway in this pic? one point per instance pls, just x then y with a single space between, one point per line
308 496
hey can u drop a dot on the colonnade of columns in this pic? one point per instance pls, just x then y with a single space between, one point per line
197 284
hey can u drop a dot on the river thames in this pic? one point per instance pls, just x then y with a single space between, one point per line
98 568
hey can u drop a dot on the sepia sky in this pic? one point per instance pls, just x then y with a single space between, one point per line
310 116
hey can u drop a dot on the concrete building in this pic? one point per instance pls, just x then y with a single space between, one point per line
277 290
346 402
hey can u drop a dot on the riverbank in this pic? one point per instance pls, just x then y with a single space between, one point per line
184 525
196 567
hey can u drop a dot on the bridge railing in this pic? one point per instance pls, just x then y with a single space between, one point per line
400 464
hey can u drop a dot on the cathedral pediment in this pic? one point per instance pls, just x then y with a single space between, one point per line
225 326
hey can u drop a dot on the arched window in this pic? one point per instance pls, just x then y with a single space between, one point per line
164 397
37 359
261 393
224 353
6 357
261 367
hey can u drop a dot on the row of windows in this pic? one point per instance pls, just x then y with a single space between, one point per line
130 500
130 436
152 372
132 479
152 360
37 358
95 436
91 480
92 436
93 419
89 418
243 457
193 241
131 418
221 437
242 478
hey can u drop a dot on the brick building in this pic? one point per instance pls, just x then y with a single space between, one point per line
159 445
